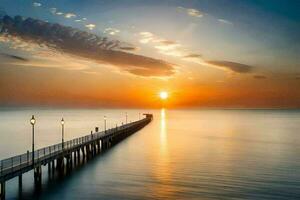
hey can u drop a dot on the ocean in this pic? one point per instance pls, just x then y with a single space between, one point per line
181 154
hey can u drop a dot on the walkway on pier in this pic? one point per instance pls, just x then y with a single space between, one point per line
60 155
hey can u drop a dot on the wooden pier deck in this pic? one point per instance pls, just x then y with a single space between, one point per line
62 155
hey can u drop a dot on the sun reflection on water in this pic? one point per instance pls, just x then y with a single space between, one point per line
163 132
162 169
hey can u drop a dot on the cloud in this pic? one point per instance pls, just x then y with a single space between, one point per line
191 11
111 31
224 21
90 26
70 15
83 44
259 77
54 11
147 37
167 42
175 49
194 12
129 48
19 58
167 47
232 66
193 55
37 4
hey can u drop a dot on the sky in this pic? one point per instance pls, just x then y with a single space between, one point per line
123 53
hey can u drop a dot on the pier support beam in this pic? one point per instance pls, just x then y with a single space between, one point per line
94 149
98 147
88 151
78 156
83 153
20 181
2 190
102 145
91 150
69 162
60 163
49 167
38 175
52 166
74 156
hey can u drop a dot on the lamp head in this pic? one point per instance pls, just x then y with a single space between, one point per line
62 121
32 120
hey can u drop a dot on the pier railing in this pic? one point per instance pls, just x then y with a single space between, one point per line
11 164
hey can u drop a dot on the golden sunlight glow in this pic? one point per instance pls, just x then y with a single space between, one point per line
163 95
164 169
163 131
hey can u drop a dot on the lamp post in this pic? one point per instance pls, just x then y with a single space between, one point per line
104 123
32 122
62 131
126 117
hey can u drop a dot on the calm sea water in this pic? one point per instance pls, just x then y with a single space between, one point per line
182 154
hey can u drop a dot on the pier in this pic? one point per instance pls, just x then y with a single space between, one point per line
61 156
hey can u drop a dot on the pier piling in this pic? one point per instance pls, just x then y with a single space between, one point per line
2 190
38 175
20 180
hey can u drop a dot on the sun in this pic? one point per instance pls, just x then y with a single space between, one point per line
163 95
